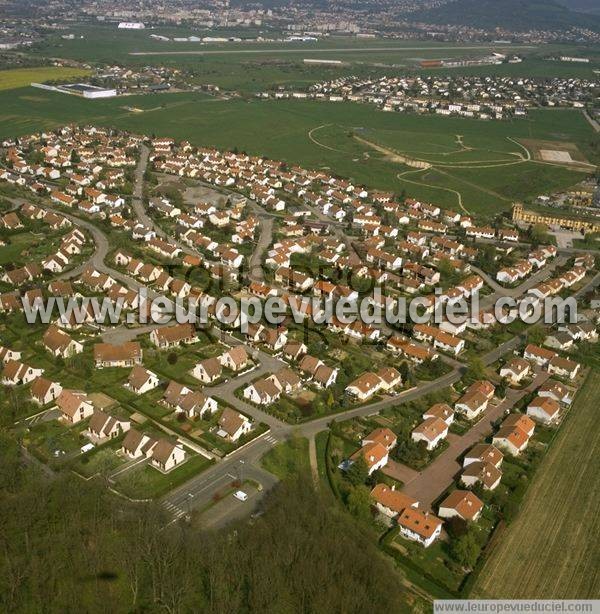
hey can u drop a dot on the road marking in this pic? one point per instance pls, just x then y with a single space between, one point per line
176 511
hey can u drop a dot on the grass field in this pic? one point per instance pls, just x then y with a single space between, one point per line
21 77
320 135
288 458
552 549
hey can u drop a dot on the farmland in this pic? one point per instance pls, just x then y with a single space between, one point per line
13 79
321 135
551 548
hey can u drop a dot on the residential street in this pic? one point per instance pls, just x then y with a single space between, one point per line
198 491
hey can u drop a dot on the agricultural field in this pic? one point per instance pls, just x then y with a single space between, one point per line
551 549
479 166
21 77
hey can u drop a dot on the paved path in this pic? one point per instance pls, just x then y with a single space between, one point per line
322 50
399 472
432 481
265 238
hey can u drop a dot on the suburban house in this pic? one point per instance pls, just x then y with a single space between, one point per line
141 380
442 411
431 431
515 370
563 367
481 472
390 501
103 426
544 410
514 434
461 504
539 355
317 371
172 336
74 406
234 359
384 436
389 377
126 355
16 372
6 354
559 340
208 370
262 392
475 399
44 391
521 421
374 454
233 425
364 386
293 350
59 343
485 453
195 403
137 444
166 455
418 526
286 380
554 389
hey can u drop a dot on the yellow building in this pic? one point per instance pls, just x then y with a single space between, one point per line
531 217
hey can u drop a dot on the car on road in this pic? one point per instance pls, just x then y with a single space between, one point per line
241 495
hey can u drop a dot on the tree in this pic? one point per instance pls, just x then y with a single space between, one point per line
538 234
465 550
536 334
359 503
486 258
475 371
358 472
456 527
404 371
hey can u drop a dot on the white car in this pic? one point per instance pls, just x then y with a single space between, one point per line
241 495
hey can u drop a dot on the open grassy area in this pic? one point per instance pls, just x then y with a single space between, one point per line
20 77
250 64
320 135
550 550
146 482
287 458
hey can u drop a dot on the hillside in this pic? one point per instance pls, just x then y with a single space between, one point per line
583 6
518 15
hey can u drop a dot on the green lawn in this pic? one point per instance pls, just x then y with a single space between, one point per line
20 77
103 460
148 483
288 458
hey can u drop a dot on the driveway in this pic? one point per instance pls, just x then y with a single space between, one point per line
432 481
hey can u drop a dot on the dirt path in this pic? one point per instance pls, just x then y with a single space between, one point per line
318 143
312 457
402 177
592 122
393 156
475 186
